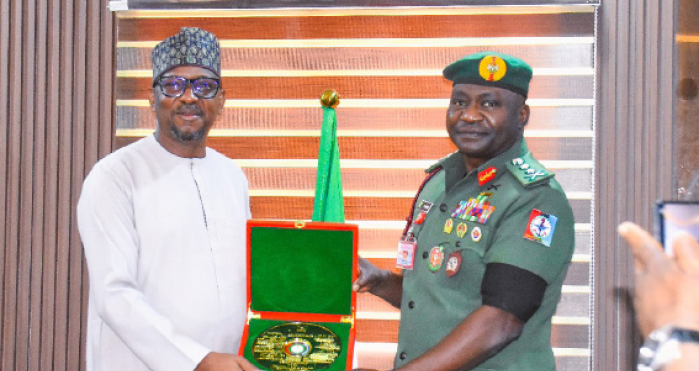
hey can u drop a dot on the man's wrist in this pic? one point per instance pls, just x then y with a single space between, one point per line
380 282
665 345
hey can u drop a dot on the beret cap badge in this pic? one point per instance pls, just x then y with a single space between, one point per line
492 68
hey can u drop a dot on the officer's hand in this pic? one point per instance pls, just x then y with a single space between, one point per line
369 276
224 362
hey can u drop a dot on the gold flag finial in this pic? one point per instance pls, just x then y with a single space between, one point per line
330 98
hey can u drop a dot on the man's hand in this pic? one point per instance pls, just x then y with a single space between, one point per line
380 282
665 286
369 276
224 362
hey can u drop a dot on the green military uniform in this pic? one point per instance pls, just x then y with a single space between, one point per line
510 210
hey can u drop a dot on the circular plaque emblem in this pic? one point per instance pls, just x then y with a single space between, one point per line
296 346
492 68
540 226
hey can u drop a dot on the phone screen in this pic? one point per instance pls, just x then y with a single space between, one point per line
676 216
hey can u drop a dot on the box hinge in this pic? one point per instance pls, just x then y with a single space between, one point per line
347 319
252 315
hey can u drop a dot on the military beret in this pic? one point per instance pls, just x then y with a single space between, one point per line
491 69
191 47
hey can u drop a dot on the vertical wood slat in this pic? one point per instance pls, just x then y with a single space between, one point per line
51 189
82 102
12 196
39 146
64 168
4 157
634 160
25 212
53 125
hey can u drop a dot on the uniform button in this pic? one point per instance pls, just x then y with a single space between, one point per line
443 207
411 304
458 244
403 355
425 255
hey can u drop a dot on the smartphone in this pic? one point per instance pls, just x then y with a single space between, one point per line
676 216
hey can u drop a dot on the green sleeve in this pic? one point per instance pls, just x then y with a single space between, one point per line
510 244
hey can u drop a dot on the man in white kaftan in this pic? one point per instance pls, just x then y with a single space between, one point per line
165 239
162 222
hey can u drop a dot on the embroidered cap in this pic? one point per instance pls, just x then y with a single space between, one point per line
191 47
491 69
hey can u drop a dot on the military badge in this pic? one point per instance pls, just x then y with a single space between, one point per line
453 263
476 234
540 227
487 175
461 230
420 217
476 209
436 258
492 68
448 226
424 207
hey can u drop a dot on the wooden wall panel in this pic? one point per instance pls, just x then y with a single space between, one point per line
361 87
427 119
277 26
387 70
56 119
380 148
634 139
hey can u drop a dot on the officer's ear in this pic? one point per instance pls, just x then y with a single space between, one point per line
523 115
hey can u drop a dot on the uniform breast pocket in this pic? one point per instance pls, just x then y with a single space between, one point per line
464 256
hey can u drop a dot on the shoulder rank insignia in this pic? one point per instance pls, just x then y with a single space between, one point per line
528 171
440 163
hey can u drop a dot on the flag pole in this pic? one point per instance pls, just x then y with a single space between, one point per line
328 205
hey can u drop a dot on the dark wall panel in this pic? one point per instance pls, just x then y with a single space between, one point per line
56 120
634 158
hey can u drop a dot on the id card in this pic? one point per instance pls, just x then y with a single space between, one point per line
406 253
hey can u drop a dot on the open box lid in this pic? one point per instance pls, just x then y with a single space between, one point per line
298 267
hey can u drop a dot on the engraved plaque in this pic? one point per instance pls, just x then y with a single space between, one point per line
296 346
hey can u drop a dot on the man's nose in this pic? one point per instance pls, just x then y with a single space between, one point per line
470 114
188 94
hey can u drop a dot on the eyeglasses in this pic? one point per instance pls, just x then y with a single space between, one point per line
175 86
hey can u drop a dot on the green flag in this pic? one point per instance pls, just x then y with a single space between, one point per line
328 205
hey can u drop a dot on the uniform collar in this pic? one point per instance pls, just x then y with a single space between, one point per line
489 171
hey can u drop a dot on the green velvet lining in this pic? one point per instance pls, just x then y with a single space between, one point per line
341 329
301 270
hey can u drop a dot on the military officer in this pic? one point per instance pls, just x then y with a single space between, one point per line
490 238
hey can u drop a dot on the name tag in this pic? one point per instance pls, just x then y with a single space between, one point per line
406 253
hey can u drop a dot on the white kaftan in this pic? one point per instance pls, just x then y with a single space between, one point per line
164 239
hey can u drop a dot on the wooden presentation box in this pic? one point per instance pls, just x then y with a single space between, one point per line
301 307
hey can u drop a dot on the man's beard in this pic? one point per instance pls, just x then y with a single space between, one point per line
188 137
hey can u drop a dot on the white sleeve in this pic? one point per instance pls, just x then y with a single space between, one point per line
106 225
